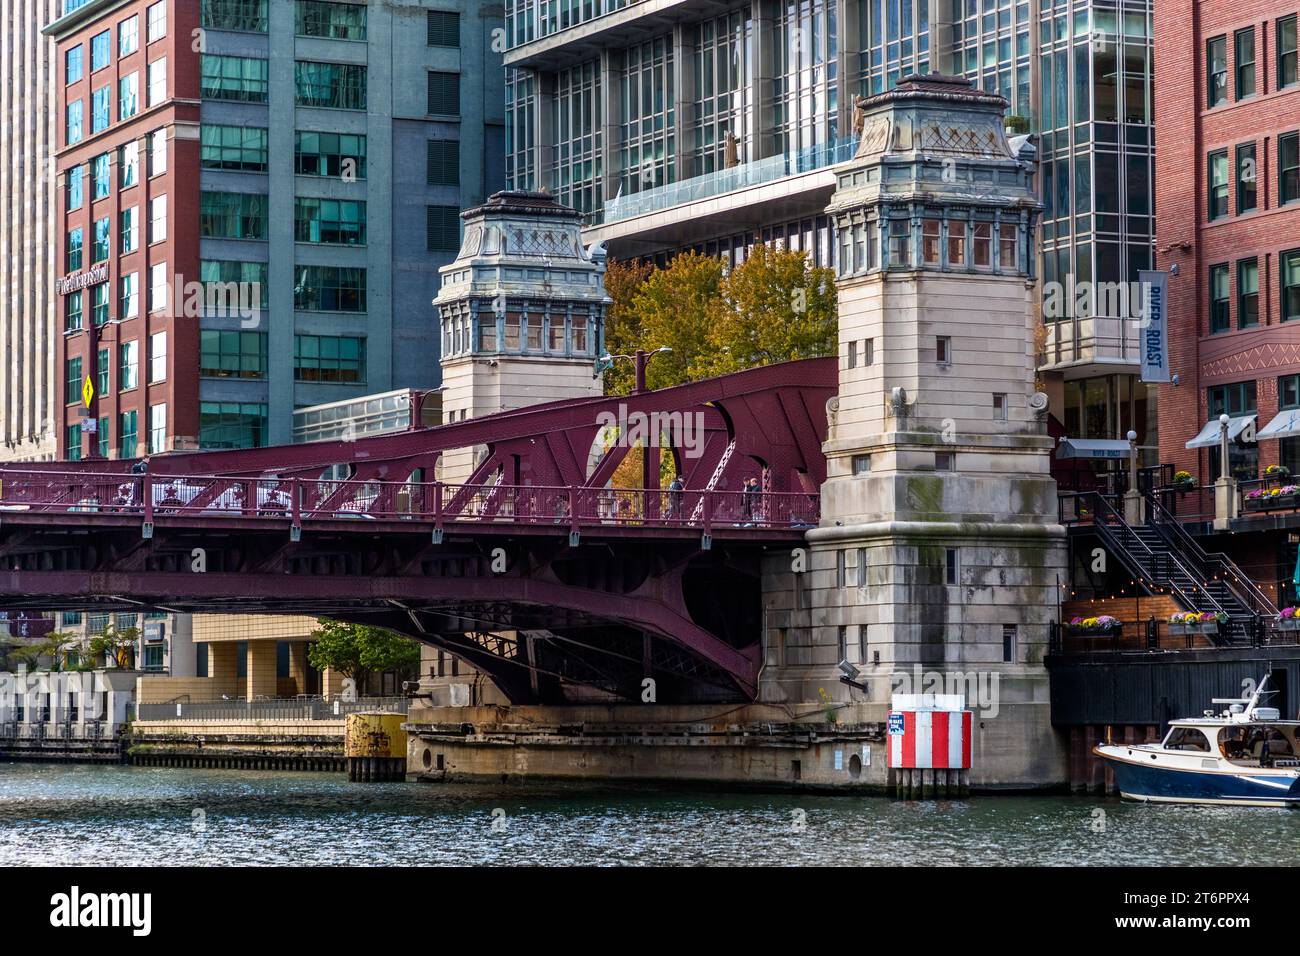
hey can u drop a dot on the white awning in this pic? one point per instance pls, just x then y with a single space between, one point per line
1284 425
1092 448
1208 437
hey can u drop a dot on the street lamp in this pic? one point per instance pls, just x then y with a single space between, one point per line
1223 444
1132 437
641 358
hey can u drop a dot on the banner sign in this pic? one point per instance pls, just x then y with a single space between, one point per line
1154 326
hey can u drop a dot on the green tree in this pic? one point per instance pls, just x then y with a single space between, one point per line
776 306
355 650
623 280
116 646
671 308
54 647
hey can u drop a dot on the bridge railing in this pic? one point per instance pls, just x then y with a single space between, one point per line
299 500
308 708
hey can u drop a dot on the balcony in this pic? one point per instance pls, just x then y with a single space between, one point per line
615 23
788 186
1082 347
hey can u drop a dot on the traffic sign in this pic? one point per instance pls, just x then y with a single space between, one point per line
87 391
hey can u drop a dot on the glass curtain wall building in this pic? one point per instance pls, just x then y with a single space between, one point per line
689 125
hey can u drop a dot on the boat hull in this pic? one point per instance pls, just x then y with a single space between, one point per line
1138 777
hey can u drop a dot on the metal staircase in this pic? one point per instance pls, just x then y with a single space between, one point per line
1165 558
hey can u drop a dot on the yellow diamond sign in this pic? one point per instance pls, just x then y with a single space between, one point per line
87 391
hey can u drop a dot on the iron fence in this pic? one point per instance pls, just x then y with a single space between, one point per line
306 708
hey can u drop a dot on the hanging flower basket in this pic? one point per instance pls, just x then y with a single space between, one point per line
1184 482
1093 626
1207 622
1265 498
1288 619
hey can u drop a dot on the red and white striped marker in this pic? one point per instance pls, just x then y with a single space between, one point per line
930 739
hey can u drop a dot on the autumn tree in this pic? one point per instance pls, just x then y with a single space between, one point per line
776 306
623 280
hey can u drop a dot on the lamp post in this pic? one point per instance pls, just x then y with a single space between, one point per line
1225 496
1224 421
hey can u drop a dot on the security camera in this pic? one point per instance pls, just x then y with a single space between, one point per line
1173 269
848 670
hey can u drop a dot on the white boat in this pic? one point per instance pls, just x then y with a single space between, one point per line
1244 755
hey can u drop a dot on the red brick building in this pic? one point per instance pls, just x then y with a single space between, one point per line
1228 217
1227 107
129 138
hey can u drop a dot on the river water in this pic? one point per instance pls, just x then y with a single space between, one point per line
140 816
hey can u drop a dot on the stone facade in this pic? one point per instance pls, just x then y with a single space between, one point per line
939 550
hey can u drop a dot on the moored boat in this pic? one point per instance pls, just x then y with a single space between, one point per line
1245 755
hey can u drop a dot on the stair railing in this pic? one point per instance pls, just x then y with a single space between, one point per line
1210 566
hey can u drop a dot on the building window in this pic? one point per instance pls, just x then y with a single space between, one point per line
443 162
1008 247
930 229
1243 42
1246 178
327 358
101 50
956 244
157 16
101 173
1286 51
841 575
952 570
72 451
159 289
244 16
157 357
157 429
72 381
868 351
1288 392
900 244
861 464
128 229
336 21
337 222
444 94
72 312
851 360
330 289
72 251
330 154
249 274
231 354
128 36
1235 400
842 642
239 78
130 300
943 349
232 215
157 81
442 228
75 130
1217 168
1290 276
443 28
76 179
157 152
74 65
157 219
101 109
1009 650
239 148
102 442
981 248
103 237
1247 293
128 165
232 425
1220 319
99 303
339 86
862 567
1288 168
127 435
944 461
128 365
999 406
128 96
1216 70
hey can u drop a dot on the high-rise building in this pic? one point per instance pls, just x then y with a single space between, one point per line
715 126
255 198
28 140
1228 194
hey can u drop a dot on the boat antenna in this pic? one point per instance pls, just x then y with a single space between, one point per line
1254 700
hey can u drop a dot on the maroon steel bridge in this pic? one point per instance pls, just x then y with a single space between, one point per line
535 570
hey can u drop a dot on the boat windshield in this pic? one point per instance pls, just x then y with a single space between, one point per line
1187 738
1261 745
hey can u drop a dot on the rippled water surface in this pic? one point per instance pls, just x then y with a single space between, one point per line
52 814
